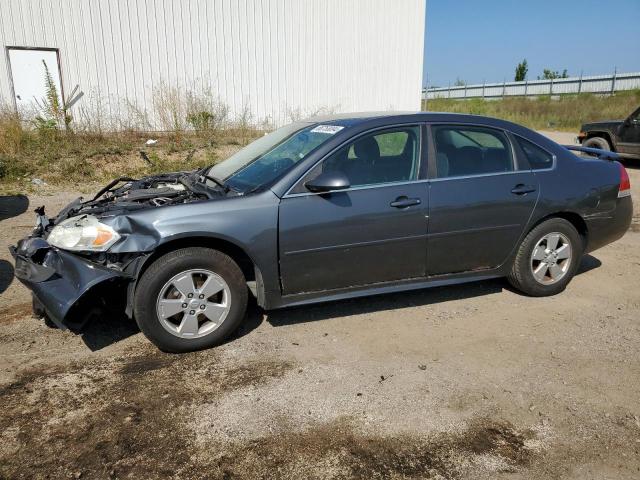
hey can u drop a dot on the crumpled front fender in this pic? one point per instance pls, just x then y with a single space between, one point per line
57 278
138 234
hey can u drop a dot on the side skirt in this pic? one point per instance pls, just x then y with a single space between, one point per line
378 289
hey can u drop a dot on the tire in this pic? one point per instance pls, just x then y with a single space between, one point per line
597 142
157 294
536 244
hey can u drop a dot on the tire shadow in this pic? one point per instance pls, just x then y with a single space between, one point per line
589 262
102 330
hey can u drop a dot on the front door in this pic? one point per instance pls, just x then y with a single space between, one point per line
629 137
373 232
479 203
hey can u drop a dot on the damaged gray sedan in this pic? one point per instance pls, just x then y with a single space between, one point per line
326 209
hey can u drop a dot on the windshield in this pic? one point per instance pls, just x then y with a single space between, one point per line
266 159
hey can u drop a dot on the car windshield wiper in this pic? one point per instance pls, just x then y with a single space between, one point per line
220 183
201 173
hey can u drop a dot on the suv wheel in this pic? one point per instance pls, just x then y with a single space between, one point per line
597 142
547 258
190 299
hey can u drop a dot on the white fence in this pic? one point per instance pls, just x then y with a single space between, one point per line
601 84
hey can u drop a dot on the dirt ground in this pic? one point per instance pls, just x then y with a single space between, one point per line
470 381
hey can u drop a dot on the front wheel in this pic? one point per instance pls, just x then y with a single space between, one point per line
190 299
547 258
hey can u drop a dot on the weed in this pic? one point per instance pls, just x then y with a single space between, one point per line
567 112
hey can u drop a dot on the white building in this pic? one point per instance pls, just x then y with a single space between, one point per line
276 59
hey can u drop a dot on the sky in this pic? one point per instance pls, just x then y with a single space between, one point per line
483 40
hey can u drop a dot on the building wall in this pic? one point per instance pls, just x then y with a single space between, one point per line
275 58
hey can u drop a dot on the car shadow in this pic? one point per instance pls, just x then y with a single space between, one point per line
400 300
255 316
377 303
102 330
589 262
13 205
6 275
630 164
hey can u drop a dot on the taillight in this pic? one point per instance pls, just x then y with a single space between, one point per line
625 185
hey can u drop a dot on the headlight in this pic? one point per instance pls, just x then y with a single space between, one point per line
83 233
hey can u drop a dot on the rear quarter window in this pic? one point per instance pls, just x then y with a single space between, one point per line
538 158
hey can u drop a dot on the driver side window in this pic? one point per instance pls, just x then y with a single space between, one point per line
385 156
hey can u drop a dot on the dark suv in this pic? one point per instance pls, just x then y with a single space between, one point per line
621 136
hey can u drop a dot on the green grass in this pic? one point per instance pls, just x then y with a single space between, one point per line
567 112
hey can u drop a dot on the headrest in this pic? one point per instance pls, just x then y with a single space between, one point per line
367 148
442 164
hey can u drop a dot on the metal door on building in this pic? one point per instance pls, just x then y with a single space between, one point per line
28 75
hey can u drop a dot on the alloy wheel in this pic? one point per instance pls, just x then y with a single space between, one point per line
551 258
193 303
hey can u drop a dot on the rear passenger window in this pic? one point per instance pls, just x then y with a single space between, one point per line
538 158
462 151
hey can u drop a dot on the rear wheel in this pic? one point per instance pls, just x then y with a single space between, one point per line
190 299
597 142
547 258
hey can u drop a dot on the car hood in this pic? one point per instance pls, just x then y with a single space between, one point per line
604 125
127 195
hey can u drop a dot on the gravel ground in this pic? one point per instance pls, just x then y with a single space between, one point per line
470 381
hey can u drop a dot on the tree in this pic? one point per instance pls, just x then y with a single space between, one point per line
548 74
521 71
459 82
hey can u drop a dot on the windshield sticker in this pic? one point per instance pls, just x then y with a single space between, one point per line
328 129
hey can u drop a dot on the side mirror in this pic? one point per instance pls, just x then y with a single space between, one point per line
328 181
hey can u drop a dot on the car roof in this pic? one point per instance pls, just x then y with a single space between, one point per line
357 118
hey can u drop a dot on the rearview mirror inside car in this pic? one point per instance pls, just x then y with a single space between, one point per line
328 181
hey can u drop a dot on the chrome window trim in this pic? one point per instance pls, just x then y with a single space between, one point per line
362 187
479 175
359 187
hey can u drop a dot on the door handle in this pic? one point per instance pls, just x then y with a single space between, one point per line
522 189
404 202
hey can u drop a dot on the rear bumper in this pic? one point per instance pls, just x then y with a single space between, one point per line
609 228
58 279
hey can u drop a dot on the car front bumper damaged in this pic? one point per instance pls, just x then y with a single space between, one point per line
59 279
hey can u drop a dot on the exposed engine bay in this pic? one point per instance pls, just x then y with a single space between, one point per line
126 194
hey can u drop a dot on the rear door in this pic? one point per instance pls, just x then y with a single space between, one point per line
373 232
480 200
